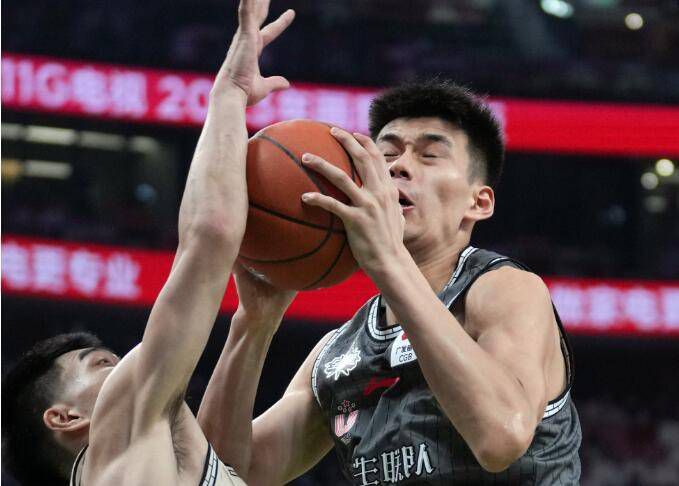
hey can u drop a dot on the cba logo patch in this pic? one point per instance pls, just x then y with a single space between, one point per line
344 364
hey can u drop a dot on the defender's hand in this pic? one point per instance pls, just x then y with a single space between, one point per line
375 222
258 301
241 67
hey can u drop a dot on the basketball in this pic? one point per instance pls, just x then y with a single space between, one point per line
293 245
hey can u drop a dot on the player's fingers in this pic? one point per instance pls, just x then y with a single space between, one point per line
328 203
276 83
376 157
359 155
271 31
335 175
247 12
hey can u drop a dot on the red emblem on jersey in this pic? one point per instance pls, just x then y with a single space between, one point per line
375 384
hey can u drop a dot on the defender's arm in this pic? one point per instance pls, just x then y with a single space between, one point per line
282 443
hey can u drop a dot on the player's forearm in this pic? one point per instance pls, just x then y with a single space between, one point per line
215 196
226 411
485 403
211 225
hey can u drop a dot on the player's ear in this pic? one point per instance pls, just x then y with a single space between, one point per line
64 418
482 204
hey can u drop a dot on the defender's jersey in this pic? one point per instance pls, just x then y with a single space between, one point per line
388 427
215 472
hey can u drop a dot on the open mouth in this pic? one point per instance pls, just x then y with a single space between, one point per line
404 201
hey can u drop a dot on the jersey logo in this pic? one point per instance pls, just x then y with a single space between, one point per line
344 423
402 351
344 364
375 384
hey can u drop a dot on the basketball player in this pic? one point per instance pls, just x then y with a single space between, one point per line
71 406
459 372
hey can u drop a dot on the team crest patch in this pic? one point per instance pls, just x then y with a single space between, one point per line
344 422
344 364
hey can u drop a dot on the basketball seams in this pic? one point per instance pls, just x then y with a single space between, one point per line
292 219
310 176
328 235
330 230
330 268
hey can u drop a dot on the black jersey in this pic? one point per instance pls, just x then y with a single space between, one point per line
388 427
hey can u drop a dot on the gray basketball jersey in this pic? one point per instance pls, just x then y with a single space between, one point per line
388 427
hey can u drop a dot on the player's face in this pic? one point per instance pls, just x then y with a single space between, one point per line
84 372
429 163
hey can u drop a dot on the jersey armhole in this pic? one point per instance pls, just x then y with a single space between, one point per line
556 404
314 370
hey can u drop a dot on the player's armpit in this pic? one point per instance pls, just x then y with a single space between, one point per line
292 436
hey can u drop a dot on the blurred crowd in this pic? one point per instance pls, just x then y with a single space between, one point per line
377 42
628 446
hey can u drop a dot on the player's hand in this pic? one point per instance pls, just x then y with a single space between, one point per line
374 223
241 67
259 302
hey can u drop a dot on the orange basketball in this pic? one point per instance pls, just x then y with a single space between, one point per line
293 245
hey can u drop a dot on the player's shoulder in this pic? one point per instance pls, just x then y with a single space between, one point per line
504 290
508 277
327 339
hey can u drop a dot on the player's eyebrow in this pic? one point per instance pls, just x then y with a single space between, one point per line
436 138
428 137
390 137
85 352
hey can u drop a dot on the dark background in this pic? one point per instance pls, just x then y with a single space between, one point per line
584 216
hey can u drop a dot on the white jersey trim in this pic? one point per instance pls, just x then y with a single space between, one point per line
75 470
212 468
553 408
471 249
376 332
460 265
314 371
393 331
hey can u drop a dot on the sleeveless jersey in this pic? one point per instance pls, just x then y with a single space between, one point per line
387 425
215 472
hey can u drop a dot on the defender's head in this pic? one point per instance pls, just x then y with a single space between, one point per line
47 401
445 151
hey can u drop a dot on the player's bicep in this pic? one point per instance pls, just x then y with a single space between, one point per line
292 436
177 330
515 328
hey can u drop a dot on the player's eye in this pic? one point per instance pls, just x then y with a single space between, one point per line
104 362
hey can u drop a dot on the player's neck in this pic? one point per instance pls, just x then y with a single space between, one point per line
437 268
438 263
72 445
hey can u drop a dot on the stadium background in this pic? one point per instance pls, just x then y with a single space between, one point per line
102 106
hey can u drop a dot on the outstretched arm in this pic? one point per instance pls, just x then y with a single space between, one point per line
211 224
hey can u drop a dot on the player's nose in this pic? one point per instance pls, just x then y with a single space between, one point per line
401 168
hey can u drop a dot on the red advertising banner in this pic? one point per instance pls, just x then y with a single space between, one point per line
33 83
115 275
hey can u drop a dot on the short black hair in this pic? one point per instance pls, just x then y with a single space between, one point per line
453 103
30 452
